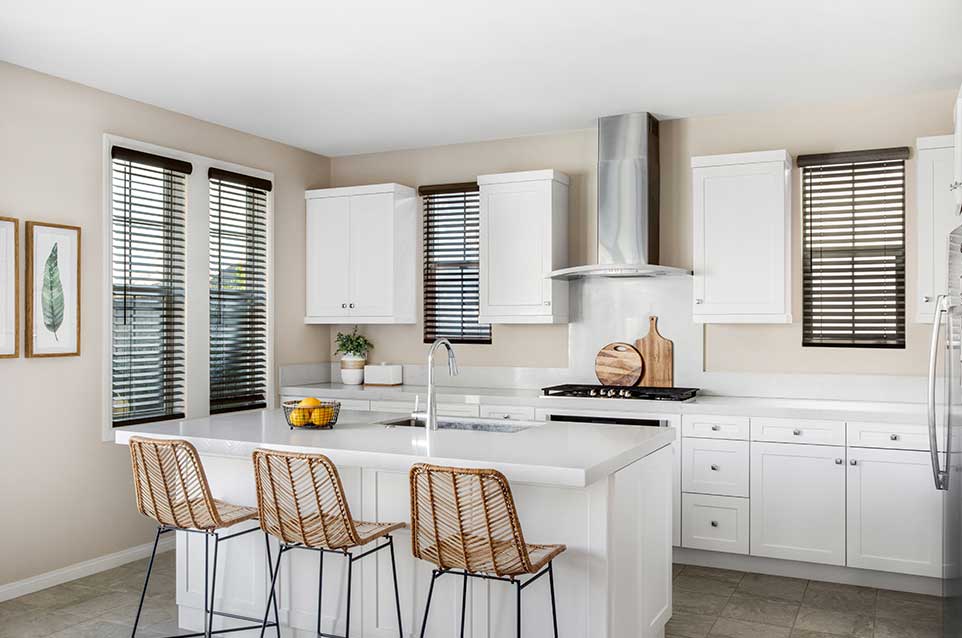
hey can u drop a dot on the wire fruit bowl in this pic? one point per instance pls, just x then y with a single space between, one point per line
320 417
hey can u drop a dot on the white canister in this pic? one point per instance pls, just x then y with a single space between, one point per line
382 374
352 369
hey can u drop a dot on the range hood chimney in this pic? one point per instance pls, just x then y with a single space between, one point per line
628 194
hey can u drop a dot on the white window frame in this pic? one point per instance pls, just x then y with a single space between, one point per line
197 279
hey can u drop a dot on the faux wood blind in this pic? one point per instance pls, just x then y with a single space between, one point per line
147 263
238 291
451 264
853 217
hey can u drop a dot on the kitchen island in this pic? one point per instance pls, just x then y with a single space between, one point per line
603 490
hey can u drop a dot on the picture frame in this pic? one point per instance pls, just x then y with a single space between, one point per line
9 288
52 318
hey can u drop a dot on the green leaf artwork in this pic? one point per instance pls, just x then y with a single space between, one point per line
51 296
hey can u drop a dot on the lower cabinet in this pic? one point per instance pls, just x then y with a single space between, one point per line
798 502
715 523
894 512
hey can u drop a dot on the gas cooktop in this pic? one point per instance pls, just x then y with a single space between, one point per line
619 392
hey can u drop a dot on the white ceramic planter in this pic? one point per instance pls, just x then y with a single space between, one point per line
352 369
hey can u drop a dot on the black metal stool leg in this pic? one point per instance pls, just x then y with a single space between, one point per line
397 595
427 607
350 571
518 585
554 609
271 597
320 589
213 584
464 601
150 568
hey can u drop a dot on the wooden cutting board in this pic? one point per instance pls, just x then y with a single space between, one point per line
619 364
659 356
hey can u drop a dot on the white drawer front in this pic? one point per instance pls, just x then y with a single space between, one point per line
457 409
508 412
715 427
400 407
715 523
711 466
887 435
798 431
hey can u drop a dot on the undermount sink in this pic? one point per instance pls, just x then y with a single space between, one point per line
472 425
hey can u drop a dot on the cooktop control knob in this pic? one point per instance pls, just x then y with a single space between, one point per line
611 393
592 393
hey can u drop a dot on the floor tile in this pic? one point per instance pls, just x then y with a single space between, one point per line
906 628
676 569
774 587
731 628
835 622
703 585
60 596
804 633
743 606
727 575
38 625
689 625
98 629
836 597
698 603
916 607
102 604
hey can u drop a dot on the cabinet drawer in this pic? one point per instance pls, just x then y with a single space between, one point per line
798 431
457 409
508 412
400 407
715 523
717 467
887 435
715 427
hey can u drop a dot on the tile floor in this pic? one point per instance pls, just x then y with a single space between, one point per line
722 603
711 603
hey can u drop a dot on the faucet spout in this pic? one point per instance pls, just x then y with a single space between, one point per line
431 410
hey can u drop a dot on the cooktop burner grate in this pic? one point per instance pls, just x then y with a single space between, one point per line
620 392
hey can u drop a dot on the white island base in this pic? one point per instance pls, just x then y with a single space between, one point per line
604 491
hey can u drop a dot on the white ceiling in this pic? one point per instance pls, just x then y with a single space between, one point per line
356 76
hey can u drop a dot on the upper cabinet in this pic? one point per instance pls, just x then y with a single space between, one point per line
937 215
742 211
361 253
524 236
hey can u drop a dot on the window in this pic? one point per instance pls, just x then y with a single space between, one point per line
147 210
238 291
451 268
853 252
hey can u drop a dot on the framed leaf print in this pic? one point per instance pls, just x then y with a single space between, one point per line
53 290
9 287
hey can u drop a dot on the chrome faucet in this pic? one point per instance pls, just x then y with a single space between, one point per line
431 411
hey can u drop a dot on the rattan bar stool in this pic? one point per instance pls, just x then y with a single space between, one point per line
464 521
172 489
301 502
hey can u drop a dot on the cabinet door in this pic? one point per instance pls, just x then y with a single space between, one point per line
328 257
894 513
740 248
515 256
372 255
798 502
936 218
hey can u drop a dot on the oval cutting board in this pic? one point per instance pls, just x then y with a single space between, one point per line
619 364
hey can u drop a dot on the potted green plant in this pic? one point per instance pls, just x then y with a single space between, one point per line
353 349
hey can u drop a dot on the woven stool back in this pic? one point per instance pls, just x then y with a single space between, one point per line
301 500
466 519
170 484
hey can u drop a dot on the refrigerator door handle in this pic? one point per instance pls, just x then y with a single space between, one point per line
937 474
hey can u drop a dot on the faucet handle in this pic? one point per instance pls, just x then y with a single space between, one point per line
452 363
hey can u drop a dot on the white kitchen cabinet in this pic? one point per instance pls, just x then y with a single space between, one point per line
715 523
742 212
361 254
894 512
715 466
937 215
798 502
524 236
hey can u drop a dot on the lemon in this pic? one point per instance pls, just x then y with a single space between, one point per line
321 416
309 402
300 417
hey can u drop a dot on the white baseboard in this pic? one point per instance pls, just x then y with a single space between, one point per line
63 575
810 571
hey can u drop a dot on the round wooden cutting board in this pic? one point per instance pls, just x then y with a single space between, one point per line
619 364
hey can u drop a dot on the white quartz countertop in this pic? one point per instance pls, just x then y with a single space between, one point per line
883 412
558 454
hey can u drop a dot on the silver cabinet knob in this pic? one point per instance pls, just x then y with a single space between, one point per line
699 301
351 305
715 428
714 467
343 305
506 416
839 461
853 462
547 303
714 523
893 437
927 299
797 432
955 186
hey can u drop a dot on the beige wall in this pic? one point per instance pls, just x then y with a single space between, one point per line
809 129
65 497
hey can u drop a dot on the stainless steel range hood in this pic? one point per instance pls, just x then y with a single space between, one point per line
628 194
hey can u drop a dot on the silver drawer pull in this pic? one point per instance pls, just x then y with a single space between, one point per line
853 462
714 523
506 416
893 437
839 461
714 467
797 432
715 428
